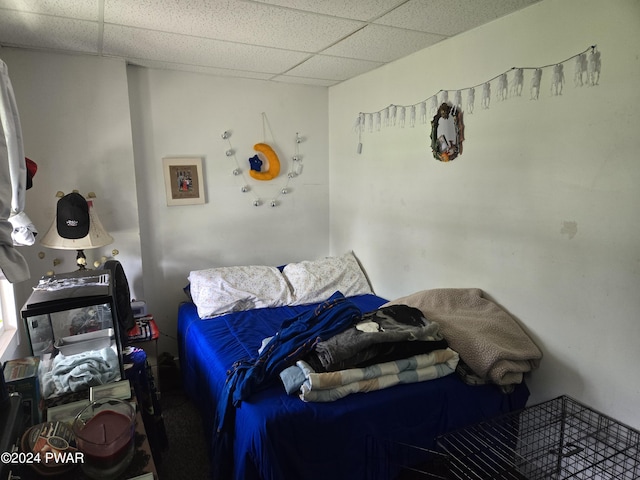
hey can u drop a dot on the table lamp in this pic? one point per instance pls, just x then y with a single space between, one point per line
76 227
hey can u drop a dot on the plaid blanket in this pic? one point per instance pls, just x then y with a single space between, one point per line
330 386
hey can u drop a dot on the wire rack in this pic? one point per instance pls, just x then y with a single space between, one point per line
392 460
558 439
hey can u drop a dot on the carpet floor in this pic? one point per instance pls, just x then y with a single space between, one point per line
187 455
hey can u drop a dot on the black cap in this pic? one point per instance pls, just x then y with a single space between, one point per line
73 216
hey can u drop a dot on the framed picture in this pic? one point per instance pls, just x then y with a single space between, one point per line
183 180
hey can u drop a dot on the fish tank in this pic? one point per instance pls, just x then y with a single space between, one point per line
71 324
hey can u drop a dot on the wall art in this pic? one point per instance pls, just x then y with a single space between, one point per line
183 180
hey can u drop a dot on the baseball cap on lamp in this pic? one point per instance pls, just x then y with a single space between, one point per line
72 216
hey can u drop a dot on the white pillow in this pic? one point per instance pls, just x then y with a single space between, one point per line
217 291
316 280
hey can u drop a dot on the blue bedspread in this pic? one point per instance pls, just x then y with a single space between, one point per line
280 437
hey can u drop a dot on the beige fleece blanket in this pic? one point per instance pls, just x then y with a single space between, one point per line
486 337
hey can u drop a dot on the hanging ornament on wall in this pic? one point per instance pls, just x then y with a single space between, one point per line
535 83
471 100
587 68
517 82
593 67
447 133
580 70
503 88
486 95
557 80
271 173
256 163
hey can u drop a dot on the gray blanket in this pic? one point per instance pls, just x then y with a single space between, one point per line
486 337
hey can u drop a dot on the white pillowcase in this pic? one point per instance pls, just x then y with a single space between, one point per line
316 280
217 291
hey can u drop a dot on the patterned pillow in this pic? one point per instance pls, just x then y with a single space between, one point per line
217 291
316 280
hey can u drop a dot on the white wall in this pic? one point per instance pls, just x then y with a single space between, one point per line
177 114
85 119
499 217
74 112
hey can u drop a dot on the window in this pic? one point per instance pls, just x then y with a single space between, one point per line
2 314
8 318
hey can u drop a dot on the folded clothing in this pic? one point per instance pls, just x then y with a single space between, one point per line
385 334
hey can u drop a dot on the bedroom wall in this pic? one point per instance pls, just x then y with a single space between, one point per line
97 125
540 211
183 114
74 112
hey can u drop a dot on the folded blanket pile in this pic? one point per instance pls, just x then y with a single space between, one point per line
487 338
385 347
330 386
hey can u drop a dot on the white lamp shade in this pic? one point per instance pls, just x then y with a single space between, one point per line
97 236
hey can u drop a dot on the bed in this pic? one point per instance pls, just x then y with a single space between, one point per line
276 435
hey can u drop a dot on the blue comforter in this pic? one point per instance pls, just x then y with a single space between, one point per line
279 437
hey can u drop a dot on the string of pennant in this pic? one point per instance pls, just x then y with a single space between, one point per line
587 65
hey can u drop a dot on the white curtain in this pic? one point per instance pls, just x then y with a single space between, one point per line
13 180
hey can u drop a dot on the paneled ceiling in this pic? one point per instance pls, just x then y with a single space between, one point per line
316 42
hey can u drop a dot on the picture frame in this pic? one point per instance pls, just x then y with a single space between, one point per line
183 180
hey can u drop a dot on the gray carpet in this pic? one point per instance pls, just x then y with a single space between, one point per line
187 455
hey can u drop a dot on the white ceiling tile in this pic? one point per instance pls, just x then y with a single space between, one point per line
84 10
221 72
449 17
135 43
304 80
332 68
319 42
357 10
382 44
44 31
241 22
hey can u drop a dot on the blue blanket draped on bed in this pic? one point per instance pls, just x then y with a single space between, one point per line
278 436
296 338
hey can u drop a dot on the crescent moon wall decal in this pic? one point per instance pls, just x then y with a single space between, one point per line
272 158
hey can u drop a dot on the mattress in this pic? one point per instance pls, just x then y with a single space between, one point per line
278 436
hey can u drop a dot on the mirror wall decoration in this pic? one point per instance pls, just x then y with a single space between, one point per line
447 133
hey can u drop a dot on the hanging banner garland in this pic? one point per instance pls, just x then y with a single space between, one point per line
273 169
587 66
